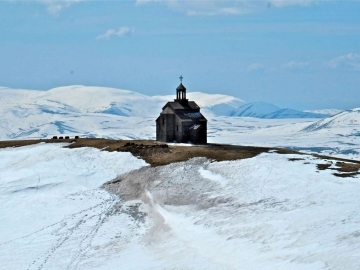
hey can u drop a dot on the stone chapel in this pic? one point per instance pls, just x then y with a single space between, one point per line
181 121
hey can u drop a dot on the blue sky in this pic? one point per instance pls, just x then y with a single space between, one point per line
301 54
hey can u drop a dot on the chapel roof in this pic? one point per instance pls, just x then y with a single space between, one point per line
181 87
190 105
167 110
190 116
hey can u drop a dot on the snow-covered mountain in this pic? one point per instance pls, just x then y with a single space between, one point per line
92 111
78 99
88 99
85 99
270 111
342 122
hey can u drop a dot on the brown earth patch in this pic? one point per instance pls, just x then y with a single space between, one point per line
158 154
347 167
323 166
5 144
344 169
295 159
344 175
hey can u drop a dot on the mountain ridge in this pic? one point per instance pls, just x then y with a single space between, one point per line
102 111
95 99
269 111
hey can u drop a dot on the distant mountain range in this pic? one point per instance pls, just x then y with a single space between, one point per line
85 99
329 112
269 111
92 110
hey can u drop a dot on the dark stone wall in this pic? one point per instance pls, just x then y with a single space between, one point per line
165 128
158 131
178 129
170 127
196 136
199 135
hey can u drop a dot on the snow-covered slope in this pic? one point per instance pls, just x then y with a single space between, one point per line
260 213
101 100
80 99
51 206
342 122
269 111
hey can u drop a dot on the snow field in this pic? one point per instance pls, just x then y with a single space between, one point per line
51 206
261 213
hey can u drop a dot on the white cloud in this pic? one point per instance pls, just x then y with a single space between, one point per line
286 3
255 67
122 31
224 7
292 65
193 7
219 11
349 61
53 6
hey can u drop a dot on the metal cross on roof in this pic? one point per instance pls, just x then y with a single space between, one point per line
181 78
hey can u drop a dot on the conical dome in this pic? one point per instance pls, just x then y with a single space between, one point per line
181 87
